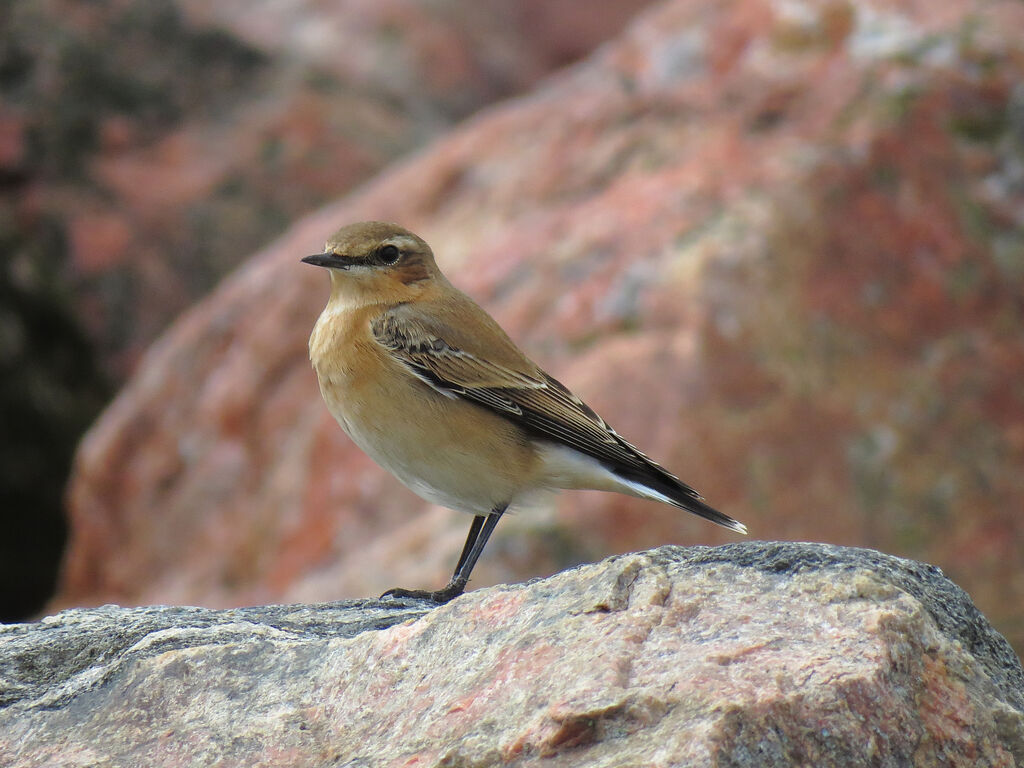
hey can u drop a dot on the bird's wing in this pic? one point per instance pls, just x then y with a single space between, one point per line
523 394
486 368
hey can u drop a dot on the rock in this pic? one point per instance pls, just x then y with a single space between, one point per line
795 239
757 654
170 139
146 149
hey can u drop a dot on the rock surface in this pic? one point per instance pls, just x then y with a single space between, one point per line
757 654
794 234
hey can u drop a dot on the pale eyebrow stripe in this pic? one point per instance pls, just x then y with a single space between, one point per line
402 241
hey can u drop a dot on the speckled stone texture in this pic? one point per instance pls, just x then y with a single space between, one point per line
755 654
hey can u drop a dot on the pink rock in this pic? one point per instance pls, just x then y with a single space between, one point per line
12 140
760 654
776 250
99 241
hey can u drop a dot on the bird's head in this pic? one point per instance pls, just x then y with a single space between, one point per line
373 261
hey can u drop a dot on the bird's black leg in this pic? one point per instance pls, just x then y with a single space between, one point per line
479 532
474 531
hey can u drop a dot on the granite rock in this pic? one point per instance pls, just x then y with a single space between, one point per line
756 654
793 233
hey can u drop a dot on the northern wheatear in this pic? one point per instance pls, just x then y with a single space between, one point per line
432 389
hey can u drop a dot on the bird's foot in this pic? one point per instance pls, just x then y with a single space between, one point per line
455 588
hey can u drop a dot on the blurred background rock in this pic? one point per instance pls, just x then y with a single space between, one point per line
779 245
147 148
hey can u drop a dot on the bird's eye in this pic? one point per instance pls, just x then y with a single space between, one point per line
389 254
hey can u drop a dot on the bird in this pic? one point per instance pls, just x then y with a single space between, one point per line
428 384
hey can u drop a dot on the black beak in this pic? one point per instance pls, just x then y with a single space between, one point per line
329 260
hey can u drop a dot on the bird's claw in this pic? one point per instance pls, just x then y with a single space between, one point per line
455 588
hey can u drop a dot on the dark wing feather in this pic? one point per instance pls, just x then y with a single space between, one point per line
530 398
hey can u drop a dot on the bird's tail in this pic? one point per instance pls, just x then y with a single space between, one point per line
656 483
